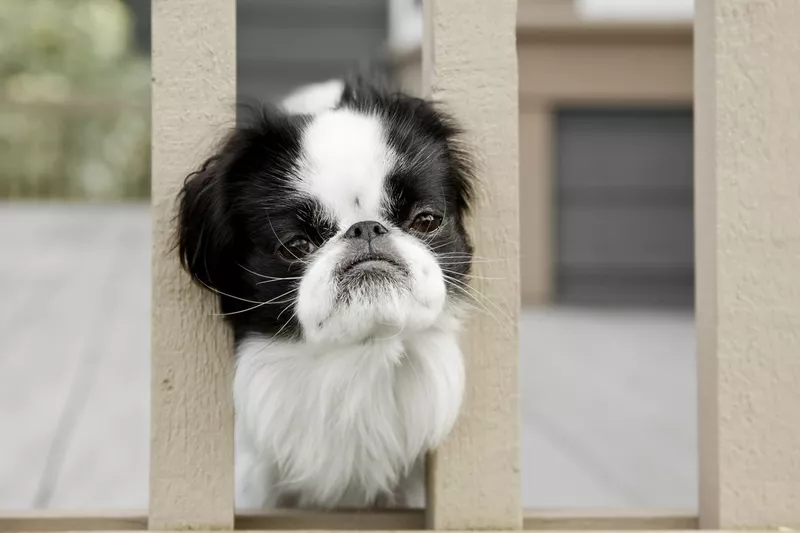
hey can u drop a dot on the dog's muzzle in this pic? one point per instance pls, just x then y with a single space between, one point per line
369 249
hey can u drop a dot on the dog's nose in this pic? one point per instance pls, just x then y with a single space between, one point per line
365 230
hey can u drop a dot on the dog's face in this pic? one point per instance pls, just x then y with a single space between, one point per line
336 227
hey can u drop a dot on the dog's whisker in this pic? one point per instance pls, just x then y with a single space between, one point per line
288 320
483 308
285 309
480 261
468 287
261 304
466 255
473 276
259 275
277 279
269 279
471 254
442 245
239 311
209 287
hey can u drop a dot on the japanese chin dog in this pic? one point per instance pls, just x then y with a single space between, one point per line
332 229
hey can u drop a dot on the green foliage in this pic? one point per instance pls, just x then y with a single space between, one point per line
74 101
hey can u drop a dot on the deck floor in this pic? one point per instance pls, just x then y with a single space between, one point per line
608 397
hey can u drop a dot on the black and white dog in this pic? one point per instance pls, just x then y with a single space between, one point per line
332 227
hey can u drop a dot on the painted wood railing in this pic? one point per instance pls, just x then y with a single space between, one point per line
748 283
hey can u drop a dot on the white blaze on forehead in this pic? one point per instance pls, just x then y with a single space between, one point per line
344 164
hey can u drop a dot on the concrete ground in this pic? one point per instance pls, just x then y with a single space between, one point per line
608 397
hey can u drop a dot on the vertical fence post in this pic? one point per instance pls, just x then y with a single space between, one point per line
194 91
470 65
747 76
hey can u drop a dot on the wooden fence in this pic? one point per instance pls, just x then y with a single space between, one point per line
748 278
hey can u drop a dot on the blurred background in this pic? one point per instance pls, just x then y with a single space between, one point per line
607 338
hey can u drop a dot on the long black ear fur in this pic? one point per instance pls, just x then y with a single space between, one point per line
205 238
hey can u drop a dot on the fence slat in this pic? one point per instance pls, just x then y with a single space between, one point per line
747 76
470 64
194 83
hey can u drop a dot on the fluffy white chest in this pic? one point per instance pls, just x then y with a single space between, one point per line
341 426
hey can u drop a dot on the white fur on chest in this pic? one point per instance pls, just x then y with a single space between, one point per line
343 426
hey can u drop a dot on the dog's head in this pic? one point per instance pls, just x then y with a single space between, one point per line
333 226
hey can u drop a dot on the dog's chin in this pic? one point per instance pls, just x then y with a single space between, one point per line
355 300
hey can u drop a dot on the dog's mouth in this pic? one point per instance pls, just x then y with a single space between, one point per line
371 262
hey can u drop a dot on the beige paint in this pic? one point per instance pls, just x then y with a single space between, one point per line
191 456
565 61
705 271
388 520
470 64
548 520
587 70
748 262
536 198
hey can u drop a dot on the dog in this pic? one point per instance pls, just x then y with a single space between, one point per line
332 227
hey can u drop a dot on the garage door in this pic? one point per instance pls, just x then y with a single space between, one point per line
624 207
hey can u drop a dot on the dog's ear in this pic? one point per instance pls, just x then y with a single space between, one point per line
205 237
263 145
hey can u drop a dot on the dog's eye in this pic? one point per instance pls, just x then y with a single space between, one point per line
297 248
426 223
